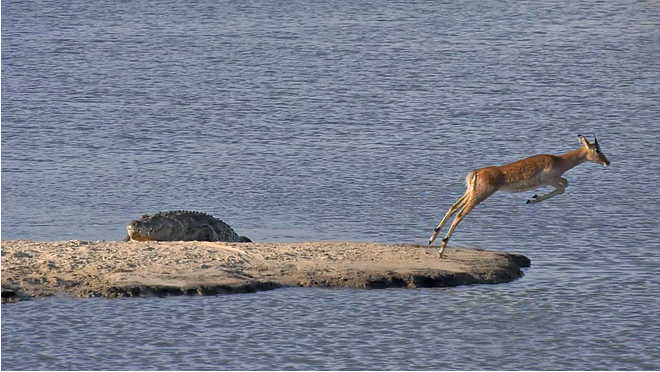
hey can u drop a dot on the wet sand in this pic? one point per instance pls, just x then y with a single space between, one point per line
117 269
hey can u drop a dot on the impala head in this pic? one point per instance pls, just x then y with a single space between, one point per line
594 154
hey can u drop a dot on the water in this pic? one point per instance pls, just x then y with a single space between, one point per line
516 326
357 121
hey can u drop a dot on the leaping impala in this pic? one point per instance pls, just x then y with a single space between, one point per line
522 175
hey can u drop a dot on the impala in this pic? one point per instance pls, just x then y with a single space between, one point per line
522 175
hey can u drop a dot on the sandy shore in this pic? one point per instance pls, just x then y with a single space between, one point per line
116 269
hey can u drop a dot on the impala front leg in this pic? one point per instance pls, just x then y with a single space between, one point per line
559 185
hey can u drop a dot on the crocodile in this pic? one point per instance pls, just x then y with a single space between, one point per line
181 225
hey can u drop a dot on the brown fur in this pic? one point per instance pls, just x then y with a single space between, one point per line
522 175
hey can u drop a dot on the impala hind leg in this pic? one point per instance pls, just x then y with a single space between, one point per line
469 204
559 185
452 210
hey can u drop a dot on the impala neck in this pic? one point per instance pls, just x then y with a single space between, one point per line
574 158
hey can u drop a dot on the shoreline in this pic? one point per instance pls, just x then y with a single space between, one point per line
32 269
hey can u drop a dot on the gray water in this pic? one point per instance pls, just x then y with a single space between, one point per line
345 121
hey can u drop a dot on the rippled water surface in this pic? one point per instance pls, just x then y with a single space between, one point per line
339 120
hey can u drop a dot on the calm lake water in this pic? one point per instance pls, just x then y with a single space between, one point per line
296 120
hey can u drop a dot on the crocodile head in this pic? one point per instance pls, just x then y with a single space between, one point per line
148 228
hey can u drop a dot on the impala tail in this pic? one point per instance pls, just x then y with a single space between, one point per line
471 179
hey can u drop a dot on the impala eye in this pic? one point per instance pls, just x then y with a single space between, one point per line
598 150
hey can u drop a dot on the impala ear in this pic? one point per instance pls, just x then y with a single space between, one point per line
583 140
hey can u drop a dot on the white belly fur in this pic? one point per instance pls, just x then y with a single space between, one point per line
522 186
